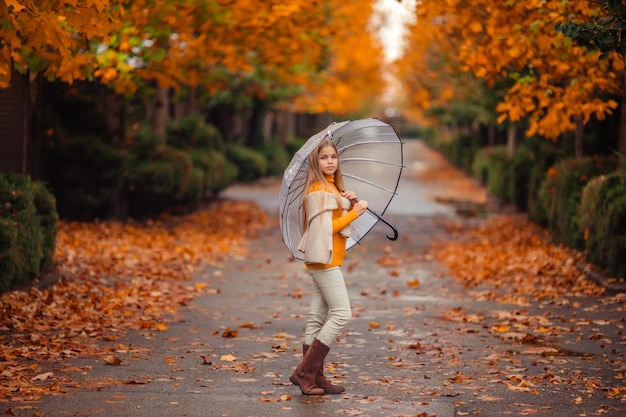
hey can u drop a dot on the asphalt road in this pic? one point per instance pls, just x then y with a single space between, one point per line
407 352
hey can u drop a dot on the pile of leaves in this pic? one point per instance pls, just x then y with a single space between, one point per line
515 255
113 277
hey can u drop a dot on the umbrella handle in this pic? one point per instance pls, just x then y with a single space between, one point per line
394 236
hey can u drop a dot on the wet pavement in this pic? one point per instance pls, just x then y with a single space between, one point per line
420 343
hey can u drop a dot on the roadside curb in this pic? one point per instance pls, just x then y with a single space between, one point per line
611 285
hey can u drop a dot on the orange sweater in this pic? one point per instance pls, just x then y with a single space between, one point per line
339 222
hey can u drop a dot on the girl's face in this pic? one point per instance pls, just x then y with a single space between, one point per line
328 160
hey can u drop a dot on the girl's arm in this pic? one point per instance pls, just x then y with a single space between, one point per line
341 222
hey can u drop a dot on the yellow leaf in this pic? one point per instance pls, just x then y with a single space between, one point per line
17 7
476 27
414 283
228 358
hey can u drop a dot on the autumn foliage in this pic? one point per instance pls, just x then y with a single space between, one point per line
113 277
517 256
546 79
270 50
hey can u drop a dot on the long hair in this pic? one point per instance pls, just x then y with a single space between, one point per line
315 178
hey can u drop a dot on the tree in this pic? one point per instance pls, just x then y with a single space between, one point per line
553 83
53 36
351 76
604 33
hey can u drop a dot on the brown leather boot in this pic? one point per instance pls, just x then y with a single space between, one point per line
304 375
320 379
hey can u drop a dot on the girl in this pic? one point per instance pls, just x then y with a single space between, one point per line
328 211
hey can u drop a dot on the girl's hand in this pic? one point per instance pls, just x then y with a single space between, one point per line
350 195
360 207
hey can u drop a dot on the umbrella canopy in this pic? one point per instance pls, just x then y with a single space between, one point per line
370 153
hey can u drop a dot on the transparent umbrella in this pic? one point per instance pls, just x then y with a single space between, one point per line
370 152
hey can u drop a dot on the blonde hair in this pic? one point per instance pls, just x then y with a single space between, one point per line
315 176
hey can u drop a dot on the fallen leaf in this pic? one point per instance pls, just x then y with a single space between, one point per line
230 333
43 377
112 360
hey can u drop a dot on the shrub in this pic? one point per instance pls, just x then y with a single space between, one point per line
157 183
561 191
45 204
251 164
544 156
193 133
27 230
278 158
492 167
461 151
520 170
85 174
528 169
223 172
603 221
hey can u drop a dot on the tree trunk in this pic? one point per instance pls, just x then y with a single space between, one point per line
285 126
511 138
579 135
621 147
113 109
491 135
161 112
192 100
255 135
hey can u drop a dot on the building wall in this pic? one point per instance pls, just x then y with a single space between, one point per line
13 125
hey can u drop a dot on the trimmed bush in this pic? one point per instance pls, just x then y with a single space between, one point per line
85 174
278 158
27 230
544 157
528 169
45 204
461 151
156 184
194 133
561 191
251 164
222 174
603 221
492 167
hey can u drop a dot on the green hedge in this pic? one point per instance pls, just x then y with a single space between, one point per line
461 151
28 224
561 192
603 221
277 157
543 156
156 183
251 164
194 133
85 175
492 167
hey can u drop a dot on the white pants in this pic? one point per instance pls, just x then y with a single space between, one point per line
330 306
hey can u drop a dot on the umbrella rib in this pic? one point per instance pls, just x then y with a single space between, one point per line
373 160
341 146
370 183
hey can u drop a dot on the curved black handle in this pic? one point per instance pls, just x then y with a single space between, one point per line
394 236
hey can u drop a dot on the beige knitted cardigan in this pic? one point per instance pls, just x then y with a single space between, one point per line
317 242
